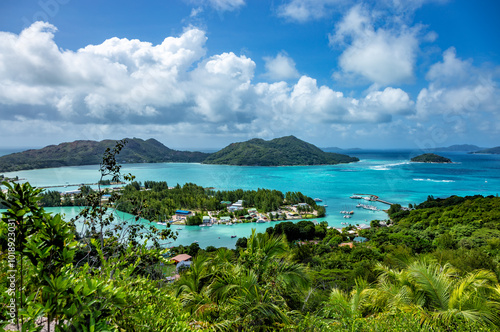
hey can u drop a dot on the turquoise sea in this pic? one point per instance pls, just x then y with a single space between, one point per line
388 174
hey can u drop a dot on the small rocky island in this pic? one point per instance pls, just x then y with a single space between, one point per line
430 158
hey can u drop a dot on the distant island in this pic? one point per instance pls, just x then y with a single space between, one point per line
495 150
457 148
80 153
256 152
284 151
430 158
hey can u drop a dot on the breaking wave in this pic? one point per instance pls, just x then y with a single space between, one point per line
433 180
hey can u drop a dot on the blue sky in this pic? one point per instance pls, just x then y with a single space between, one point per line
203 74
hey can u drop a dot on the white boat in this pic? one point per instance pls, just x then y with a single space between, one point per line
318 200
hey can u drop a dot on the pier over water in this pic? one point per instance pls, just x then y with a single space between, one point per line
373 198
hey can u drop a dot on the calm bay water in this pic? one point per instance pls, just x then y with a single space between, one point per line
388 174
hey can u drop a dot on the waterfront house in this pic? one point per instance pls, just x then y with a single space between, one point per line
225 219
206 219
183 213
364 226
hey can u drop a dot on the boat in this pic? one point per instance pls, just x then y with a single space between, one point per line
179 227
356 197
161 223
318 200
233 236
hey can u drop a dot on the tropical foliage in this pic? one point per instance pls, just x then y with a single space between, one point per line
162 202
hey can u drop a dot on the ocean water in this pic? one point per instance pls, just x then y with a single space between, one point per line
388 174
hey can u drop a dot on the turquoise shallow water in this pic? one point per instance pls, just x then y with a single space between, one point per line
387 174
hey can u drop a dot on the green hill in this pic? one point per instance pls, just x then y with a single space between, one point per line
430 158
79 153
284 151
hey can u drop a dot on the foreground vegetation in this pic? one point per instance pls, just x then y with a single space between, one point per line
434 269
407 276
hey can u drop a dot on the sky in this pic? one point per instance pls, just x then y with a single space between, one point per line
199 74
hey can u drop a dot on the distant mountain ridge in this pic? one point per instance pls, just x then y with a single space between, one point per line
284 151
79 153
495 150
457 148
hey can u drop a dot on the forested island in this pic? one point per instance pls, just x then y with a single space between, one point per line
284 151
162 202
80 153
256 152
430 158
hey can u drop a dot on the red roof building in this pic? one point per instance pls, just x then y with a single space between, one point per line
181 258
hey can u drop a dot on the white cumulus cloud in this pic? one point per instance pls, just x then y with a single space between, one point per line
126 85
458 87
281 67
381 56
302 11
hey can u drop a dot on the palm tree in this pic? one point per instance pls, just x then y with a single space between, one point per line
250 292
191 288
348 308
438 296
247 304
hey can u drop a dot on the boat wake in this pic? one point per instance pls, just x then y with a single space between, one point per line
432 180
387 167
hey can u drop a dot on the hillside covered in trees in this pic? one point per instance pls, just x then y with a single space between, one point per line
284 151
79 153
